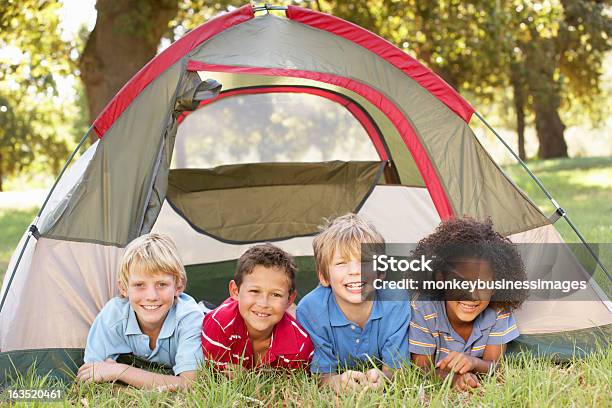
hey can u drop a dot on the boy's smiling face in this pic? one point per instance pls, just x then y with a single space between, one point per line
151 297
346 280
465 307
263 297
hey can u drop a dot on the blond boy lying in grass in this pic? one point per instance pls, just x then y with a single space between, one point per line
351 324
153 319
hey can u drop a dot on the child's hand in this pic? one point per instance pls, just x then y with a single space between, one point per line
352 380
457 362
464 382
102 371
375 378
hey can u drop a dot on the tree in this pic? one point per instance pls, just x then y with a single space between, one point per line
35 124
549 53
126 36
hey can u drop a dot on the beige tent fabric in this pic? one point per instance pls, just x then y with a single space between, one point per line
543 316
17 285
54 301
540 317
402 214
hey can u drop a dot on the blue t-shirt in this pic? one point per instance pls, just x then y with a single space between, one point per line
340 343
115 331
432 334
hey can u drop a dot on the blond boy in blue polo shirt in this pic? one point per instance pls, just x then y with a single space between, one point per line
352 325
153 319
465 333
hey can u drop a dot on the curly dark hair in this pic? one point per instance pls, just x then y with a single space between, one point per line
269 256
464 238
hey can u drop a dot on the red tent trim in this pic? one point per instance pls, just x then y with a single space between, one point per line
420 156
355 110
163 61
389 52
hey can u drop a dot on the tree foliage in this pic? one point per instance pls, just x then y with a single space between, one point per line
550 54
35 123
542 58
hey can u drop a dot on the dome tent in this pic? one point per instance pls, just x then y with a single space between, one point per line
143 174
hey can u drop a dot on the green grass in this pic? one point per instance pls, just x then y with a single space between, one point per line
13 223
582 186
522 380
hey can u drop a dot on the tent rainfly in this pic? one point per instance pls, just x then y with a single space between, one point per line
317 117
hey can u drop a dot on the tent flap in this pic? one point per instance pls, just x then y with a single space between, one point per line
269 201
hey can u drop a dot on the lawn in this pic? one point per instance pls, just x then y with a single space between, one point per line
582 186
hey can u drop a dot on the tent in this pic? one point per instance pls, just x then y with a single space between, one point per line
382 136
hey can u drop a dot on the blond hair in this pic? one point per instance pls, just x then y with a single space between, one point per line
343 236
152 254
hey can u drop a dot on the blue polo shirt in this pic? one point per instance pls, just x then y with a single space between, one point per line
340 344
115 331
432 334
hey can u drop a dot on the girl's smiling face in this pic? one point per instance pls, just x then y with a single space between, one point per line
465 307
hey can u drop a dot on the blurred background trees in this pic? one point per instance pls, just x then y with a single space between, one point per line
533 60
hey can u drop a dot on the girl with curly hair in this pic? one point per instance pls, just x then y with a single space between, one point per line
458 331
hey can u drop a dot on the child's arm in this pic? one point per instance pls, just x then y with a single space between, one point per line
503 331
110 370
394 349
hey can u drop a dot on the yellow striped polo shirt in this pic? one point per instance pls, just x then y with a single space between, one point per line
430 332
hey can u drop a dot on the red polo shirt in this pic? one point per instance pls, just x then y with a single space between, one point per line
225 340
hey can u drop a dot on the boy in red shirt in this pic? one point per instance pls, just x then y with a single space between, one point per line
252 327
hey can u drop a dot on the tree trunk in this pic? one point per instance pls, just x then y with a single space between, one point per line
539 68
125 38
549 128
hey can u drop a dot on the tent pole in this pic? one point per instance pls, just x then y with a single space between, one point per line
560 211
33 229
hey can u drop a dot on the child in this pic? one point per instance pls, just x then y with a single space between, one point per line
465 333
153 319
252 327
351 324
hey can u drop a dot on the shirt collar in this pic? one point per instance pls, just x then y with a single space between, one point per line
483 321
283 339
338 319
132 324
